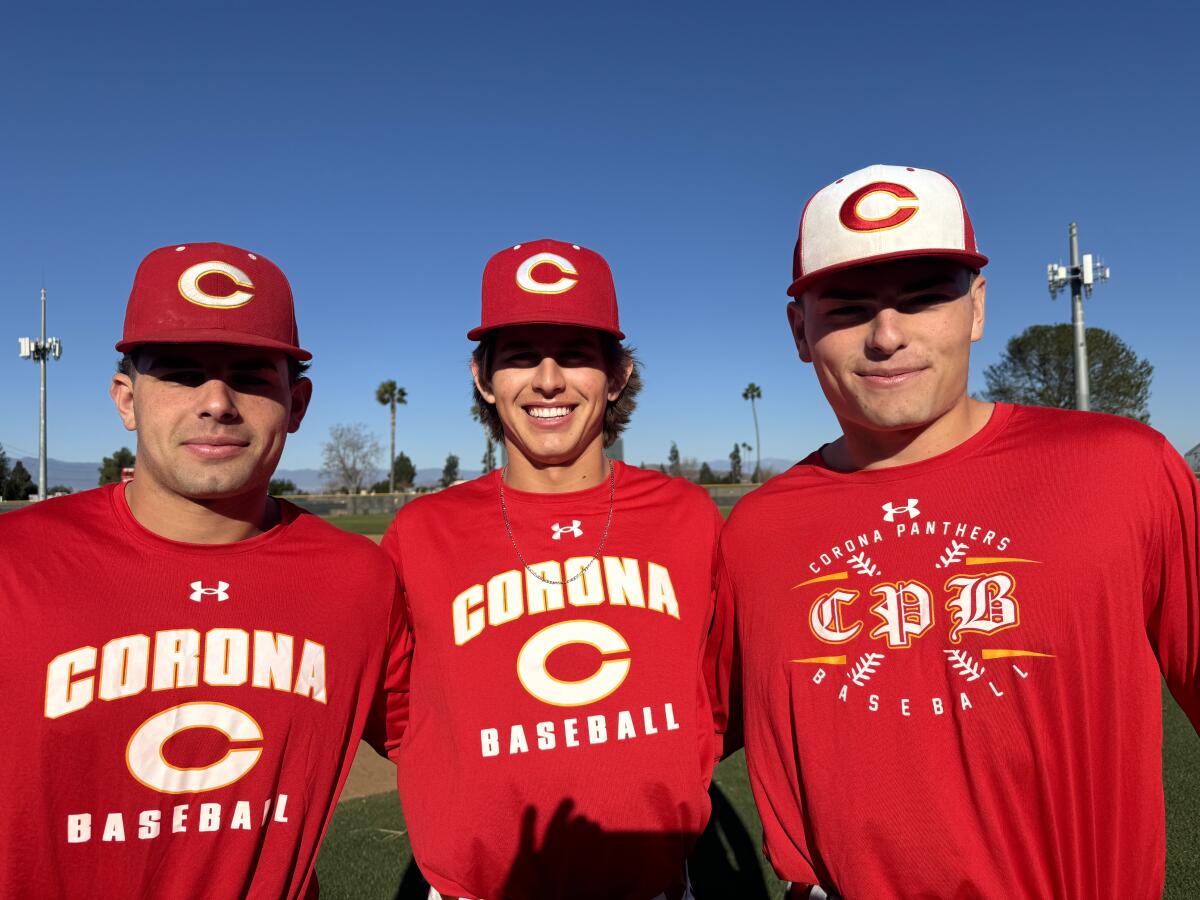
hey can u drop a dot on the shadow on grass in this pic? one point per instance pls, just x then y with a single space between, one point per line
413 885
726 861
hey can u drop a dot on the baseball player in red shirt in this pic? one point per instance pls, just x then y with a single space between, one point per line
188 664
561 738
954 619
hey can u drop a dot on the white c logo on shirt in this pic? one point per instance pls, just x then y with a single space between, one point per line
525 274
144 755
531 663
189 285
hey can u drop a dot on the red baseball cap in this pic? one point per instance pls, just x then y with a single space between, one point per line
878 214
211 294
548 282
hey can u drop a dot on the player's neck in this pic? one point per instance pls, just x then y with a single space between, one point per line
178 518
861 448
587 470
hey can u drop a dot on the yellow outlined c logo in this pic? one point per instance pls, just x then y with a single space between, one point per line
146 762
531 663
525 274
190 290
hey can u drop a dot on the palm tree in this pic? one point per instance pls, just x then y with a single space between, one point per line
754 392
391 394
489 453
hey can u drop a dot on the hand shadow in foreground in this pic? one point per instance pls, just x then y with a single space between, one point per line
577 860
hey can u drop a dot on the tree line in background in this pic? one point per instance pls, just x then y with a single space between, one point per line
348 458
702 473
349 465
15 481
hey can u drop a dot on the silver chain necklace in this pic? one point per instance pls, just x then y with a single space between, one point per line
612 493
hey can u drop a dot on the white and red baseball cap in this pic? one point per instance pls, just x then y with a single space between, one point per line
547 282
878 214
211 294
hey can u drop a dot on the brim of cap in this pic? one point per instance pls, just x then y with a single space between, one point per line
479 331
216 336
974 260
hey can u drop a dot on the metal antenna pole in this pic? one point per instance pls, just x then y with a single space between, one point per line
1082 276
42 411
40 351
1082 394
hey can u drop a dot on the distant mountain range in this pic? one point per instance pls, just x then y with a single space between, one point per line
75 475
310 480
79 476
774 463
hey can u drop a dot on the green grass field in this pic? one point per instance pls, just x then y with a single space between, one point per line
367 524
366 854
1181 785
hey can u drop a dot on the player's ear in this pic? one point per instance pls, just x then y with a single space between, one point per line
477 376
620 378
121 391
795 314
302 390
978 306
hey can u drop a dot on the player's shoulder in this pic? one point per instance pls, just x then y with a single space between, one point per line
1098 436
39 521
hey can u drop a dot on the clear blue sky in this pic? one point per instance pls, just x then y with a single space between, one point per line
381 153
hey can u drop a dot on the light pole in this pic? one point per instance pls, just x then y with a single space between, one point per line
1081 276
39 351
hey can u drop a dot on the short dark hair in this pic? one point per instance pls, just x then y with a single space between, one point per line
617 413
297 369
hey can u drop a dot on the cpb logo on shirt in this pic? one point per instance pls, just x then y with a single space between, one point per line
566 269
192 292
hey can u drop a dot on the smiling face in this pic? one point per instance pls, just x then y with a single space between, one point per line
550 386
891 343
211 419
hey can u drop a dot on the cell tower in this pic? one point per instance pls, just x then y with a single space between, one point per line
1081 276
39 351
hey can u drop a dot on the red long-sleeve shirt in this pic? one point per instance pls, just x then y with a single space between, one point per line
561 738
178 719
952 668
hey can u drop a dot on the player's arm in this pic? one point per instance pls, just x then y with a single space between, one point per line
390 709
1173 584
723 663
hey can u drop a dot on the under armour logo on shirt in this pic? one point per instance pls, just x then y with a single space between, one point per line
573 529
890 511
199 591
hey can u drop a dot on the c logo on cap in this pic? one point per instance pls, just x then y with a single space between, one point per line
190 290
525 274
851 218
